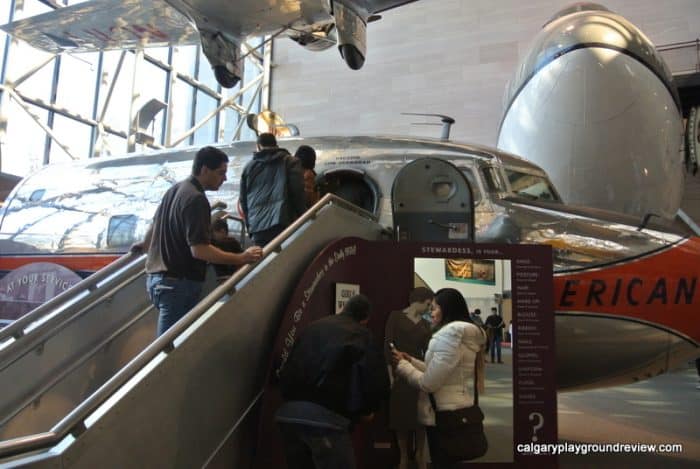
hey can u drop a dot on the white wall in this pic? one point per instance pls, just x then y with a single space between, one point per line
432 271
441 56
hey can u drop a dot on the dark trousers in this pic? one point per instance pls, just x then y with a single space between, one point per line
495 346
307 447
434 455
261 238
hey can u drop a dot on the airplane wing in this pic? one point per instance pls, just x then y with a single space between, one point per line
378 6
104 25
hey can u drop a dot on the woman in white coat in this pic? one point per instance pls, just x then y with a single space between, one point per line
448 370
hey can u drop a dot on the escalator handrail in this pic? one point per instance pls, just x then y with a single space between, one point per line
16 328
73 423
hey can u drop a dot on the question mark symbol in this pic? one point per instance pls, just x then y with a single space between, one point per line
540 423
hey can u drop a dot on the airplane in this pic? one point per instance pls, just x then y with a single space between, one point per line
220 26
593 100
623 290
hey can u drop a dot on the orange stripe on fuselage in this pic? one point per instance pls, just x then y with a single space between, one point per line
74 262
663 288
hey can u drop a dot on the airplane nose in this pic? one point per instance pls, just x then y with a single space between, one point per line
599 63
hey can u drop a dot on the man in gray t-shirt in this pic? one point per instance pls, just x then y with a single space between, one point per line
179 240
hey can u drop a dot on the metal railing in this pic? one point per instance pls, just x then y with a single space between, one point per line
74 422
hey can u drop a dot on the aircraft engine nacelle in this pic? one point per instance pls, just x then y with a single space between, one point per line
318 39
224 55
351 23
594 105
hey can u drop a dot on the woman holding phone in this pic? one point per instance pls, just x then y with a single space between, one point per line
454 355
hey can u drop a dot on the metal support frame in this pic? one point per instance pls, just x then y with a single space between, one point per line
3 70
228 102
267 78
261 60
686 46
45 127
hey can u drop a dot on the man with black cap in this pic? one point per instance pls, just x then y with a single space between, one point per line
272 190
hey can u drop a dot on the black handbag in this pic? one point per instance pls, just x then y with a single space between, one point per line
458 434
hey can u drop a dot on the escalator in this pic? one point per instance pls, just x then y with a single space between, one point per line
57 355
98 391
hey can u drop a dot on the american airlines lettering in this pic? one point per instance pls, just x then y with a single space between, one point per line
632 291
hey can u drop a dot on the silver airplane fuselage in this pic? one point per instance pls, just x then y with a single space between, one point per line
624 297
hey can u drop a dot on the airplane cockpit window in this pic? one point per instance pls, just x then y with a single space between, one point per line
494 182
120 230
531 186
37 195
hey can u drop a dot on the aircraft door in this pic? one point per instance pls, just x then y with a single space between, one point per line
432 201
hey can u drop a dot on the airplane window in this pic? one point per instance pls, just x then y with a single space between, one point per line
443 190
531 186
120 231
37 195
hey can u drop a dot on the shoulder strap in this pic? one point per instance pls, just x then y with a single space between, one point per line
476 387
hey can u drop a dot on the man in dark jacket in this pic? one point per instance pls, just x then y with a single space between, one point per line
272 190
335 376
494 326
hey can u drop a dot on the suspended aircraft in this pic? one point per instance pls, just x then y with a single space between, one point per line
220 26
592 100
624 291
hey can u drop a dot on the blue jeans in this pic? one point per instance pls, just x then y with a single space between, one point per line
173 297
496 346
